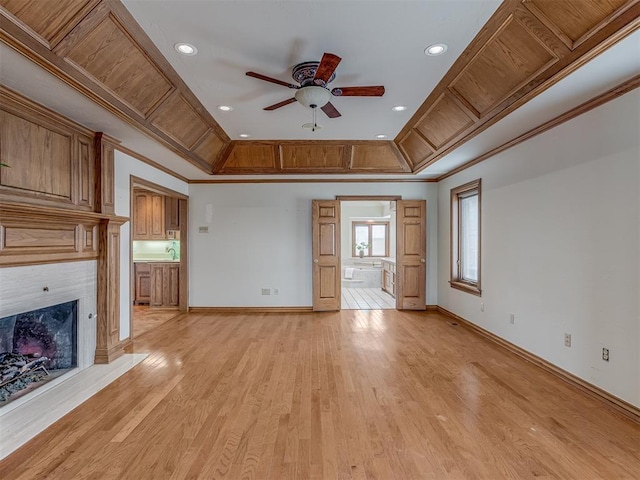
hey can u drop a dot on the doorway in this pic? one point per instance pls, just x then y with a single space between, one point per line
411 245
158 245
368 254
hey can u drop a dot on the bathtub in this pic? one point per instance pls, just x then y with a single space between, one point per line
363 277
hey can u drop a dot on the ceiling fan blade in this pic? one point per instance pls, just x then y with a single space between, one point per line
327 66
259 76
331 111
376 91
280 104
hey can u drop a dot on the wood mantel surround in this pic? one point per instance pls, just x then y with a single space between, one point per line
524 48
57 203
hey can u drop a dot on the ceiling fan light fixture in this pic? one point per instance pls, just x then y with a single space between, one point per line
313 96
435 49
185 48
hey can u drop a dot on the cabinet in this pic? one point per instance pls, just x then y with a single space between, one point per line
389 277
165 284
142 283
172 213
148 216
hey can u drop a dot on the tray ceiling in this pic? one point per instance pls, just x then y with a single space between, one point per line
487 72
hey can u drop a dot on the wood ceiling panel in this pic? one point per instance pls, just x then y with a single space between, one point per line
111 57
178 119
253 157
209 148
51 22
574 20
376 158
415 147
316 156
445 120
513 57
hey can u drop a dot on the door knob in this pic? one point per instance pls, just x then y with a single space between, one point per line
422 260
315 260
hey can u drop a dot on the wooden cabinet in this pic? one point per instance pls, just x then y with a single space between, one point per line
172 213
389 277
148 216
165 284
142 283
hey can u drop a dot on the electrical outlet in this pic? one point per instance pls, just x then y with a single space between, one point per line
482 307
275 291
567 339
605 354
512 318
266 291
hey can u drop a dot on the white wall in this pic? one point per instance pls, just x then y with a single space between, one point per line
561 246
125 167
260 237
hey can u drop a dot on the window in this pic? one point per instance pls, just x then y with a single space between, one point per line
372 238
465 237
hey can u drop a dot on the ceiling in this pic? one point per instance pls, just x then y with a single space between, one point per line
380 42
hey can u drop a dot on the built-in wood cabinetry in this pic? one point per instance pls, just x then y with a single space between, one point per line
389 277
143 283
165 284
157 284
148 216
172 213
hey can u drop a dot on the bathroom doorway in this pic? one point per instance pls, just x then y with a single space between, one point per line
368 254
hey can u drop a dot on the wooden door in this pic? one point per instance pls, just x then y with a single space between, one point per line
157 285
141 219
172 285
156 228
326 255
411 255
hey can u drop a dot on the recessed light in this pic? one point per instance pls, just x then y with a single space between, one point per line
381 135
225 108
435 49
399 108
186 48
244 135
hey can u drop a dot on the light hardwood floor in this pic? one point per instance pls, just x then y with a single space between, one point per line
146 318
353 394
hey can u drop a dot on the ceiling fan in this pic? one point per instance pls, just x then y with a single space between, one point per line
312 91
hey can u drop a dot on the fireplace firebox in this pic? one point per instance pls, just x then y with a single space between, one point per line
36 347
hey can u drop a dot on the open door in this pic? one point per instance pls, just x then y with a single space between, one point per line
411 255
326 255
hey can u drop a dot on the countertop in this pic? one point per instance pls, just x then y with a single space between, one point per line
155 260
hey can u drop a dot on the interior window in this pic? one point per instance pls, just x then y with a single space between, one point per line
370 238
465 237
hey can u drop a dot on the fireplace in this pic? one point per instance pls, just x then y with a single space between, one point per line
36 347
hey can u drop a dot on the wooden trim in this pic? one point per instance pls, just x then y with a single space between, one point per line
349 198
314 180
154 187
203 310
431 308
605 397
612 94
151 163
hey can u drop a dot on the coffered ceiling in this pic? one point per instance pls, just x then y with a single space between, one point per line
519 60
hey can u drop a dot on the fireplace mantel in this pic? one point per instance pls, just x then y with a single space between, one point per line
31 234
